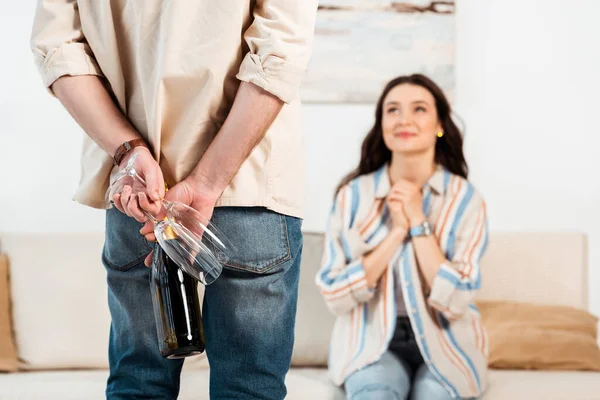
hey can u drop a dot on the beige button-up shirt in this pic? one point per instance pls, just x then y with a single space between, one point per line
174 68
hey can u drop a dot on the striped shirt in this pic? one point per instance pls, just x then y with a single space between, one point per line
446 323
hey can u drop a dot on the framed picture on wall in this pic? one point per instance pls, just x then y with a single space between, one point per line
359 45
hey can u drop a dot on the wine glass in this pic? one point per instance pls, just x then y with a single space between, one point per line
188 238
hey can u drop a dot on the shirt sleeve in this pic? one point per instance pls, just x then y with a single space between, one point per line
459 279
341 278
280 40
58 44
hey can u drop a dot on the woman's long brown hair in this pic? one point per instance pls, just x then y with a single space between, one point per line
448 148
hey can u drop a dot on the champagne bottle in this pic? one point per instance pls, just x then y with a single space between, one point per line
176 308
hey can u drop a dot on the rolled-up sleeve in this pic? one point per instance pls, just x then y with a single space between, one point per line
459 279
342 279
58 43
280 40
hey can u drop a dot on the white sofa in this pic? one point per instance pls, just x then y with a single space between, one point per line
61 319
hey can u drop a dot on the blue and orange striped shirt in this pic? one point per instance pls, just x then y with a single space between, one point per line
446 323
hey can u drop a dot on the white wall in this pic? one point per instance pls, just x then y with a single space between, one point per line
527 87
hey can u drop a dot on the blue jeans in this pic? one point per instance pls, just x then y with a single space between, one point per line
399 373
248 313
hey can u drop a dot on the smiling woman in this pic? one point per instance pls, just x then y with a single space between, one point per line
401 268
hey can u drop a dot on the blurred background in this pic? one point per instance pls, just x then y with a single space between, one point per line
526 86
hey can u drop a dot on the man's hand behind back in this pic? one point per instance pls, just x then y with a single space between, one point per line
134 197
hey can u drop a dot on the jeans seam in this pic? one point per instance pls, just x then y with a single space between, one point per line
373 388
270 265
125 267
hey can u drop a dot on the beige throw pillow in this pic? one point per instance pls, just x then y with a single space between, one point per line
530 336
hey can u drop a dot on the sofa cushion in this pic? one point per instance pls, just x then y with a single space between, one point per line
8 353
551 268
530 336
546 385
314 323
60 311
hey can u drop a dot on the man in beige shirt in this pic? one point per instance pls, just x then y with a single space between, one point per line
205 95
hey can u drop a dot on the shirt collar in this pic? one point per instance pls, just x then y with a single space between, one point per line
382 181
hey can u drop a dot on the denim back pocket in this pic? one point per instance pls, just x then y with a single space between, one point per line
259 235
124 246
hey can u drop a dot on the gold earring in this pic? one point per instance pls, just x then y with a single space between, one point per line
440 134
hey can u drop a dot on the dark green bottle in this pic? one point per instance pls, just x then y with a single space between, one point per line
176 308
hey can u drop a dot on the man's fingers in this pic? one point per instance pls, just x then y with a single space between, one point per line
150 237
147 228
148 259
152 207
148 231
125 199
117 202
160 183
151 184
134 209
